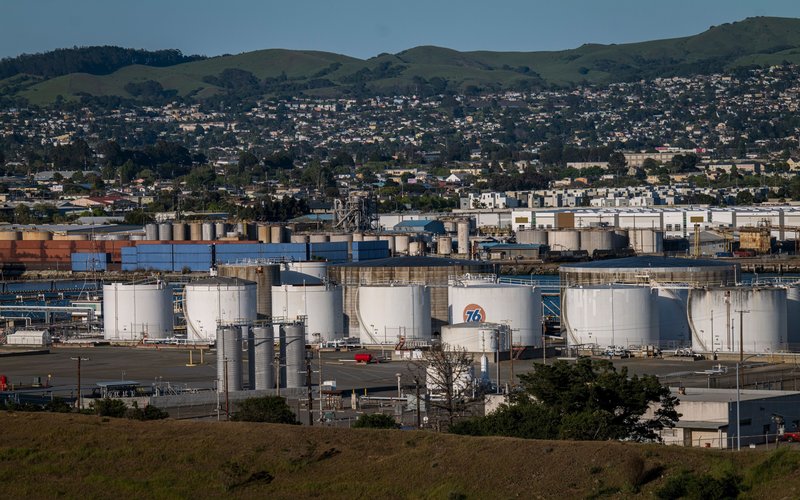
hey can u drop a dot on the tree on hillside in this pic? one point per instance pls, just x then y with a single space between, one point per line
587 400
270 409
617 163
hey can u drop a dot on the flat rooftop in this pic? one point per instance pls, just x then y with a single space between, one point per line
702 395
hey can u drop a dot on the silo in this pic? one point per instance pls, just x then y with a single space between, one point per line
10 235
518 306
195 231
389 238
597 239
208 231
151 232
433 271
320 305
179 231
241 228
165 231
295 355
610 315
229 359
720 316
793 317
265 276
220 229
673 319
264 342
477 337
532 236
358 236
277 234
132 312
416 248
211 301
370 237
646 241
564 240
318 238
264 234
387 314
401 242
444 245
299 238
463 237
30 235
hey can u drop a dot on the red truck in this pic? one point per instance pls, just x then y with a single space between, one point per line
792 437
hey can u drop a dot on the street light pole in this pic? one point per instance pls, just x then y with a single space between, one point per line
80 398
738 403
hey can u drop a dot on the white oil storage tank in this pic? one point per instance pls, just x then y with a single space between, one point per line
315 271
518 306
646 241
321 306
793 317
720 317
133 312
673 321
477 337
218 300
564 240
597 239
387 314
610 315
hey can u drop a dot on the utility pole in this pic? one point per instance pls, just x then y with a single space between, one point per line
741 333
79 402
308 389
319 380
227 401
416 387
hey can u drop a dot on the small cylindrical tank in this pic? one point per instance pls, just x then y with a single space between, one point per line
179 231
264 234
195 231
229 359
444 245
264 352
208 231
295 336
151 232
165 231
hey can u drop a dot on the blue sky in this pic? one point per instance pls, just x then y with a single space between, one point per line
361 28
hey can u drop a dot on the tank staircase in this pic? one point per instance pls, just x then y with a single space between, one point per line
410 344
516 352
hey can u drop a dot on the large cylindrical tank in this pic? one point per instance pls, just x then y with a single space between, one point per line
597 239
611 315
416 248
649 269
793 317
295 355
179 231
389 239
220 229
31 235
264 234
133 312
518 306
388 313
263 338
477 337
165 231
532 236
10 235
211 301
304 272
401 242
321 306
298 238
318 238
208 231
444 245
265 276
463 236
564 240
646 241
370 237
358 236
195 231
278 234
718 318
151 232
673 319
229 359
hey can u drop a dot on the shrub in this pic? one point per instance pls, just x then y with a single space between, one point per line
270 409
375 421
107 407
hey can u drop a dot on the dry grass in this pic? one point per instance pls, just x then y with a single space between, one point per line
46 455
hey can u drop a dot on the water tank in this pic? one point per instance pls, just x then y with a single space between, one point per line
208 231
10 235
610 315
265 276
179 231
444 245
264 234
597 239
793 317
277 234
220 229
228 341
532 236
195 231
264 353
320 305
295 342
401 242
389 313
416 248
151 232
37 235
165 231
299 238
389 239
132 312
69 237
463 236
318 238
209 301
304 272
518 306
476 337
673 319
646 241
564 240
718 316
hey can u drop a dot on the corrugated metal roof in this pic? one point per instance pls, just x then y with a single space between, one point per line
419 261
645 262
221 280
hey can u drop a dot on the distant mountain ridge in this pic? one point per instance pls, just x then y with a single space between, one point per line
759 41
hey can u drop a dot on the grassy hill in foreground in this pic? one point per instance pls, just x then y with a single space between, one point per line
46 455
754 41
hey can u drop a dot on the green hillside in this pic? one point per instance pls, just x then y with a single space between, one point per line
754 41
